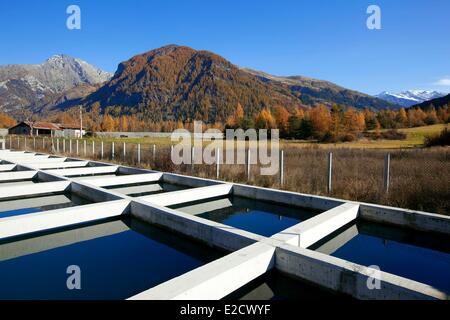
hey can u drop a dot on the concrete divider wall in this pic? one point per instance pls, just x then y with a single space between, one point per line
206 231
217 279
84 171
42 221
416 220
47 177
122 180
33 189
286 197
17 175
92 193
7 167
189 195
349 278
316 228
188 181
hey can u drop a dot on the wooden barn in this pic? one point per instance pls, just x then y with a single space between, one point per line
35 128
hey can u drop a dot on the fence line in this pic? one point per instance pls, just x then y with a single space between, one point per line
134 154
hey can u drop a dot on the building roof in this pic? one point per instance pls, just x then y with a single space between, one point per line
42 125
69 126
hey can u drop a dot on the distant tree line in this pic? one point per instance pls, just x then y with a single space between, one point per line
336 123
319 123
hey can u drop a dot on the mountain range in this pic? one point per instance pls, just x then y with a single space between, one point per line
410 97
25 86
169 83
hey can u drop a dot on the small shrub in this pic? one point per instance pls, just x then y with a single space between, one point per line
442 139
393 135
348 137
387 135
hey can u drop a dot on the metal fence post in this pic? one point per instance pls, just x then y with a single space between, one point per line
124 150
282 167
10 142
77 146
330 169
64 145
57 145
93 148
112 150
192 158
102 150
85 151
25 143
18 142
154 153
217 163
70 146
387 164
248 163
139 153
34 143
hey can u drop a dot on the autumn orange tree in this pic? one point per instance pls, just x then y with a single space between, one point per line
320 118
265 120
7 121
235 120
108 123
282 120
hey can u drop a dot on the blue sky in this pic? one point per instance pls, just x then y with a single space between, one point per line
325 39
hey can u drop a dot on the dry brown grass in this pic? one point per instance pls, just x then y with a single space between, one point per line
419 177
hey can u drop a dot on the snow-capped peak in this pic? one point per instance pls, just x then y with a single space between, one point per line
410 97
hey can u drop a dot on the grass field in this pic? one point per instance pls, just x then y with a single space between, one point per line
415 138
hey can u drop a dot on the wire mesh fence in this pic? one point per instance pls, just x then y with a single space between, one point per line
418 177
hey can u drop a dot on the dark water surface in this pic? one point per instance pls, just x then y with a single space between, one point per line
146 189
15 207
418 256
276 286
117 259
260 217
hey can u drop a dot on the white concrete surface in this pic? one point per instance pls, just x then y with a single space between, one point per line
217 279
121 180
84 171
188 195
7 167
37 159
349 278
33 189
59 165
312 230
142 188
17 175
28 223
206 206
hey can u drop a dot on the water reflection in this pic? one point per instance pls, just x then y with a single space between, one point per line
118 259
276 286
27 205
146 189
419 256
256 216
